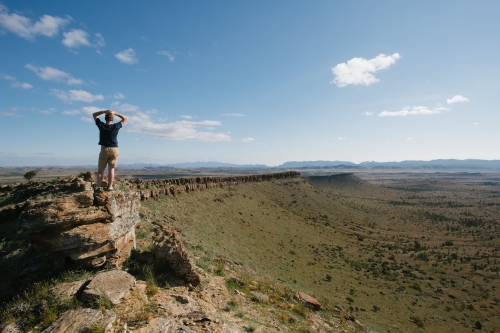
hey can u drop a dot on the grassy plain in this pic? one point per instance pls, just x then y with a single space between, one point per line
412 255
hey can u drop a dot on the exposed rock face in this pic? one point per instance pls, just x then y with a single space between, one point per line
308 301
150 189
112 284
69 289
169 247
81 320
72 226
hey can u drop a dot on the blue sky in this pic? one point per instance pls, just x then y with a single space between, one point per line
250 82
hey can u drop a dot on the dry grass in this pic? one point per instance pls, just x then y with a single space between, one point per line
401 250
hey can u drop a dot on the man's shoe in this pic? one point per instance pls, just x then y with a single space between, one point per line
98 190
111 189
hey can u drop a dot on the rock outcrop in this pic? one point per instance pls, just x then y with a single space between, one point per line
169 247
81 321
88 230
112 284
151 189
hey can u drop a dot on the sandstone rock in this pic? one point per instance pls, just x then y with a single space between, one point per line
81 320
169 247
9 328
70 226
69 289
308 301
89 177
112 284
156 325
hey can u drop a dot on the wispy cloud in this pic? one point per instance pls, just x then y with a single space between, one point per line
71 112
360 71
409 139
413 111
247 140
99 40
48 111
340 138
76 96
11 113
24 27
167 54
232 114
118 96
124 107
457 99
186 117
475 124
53 74
141 122
127 56
76 38
15 82
368 113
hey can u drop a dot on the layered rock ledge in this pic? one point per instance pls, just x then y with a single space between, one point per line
170 187
66 220
91 231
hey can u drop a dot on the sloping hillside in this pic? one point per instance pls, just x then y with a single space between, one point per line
387 254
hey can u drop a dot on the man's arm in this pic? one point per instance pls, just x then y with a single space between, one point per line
98 113
122 117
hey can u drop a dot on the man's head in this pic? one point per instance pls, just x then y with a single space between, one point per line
108 116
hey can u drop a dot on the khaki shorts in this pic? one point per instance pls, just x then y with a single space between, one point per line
108 156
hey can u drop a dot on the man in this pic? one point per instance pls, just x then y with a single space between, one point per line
108 133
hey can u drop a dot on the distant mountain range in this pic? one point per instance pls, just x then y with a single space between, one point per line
423 165
433 164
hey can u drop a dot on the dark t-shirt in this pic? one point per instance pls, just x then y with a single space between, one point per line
108 133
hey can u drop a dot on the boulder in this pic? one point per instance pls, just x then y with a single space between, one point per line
169 247
81 320
308 301
72 226
113 284
9 328
68 289
156 325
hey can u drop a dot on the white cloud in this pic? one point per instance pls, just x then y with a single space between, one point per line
48 111
22 85
186 117
76 38
71 112
341 138
53 74
360 70
127 56
9 114
475 124
124 107
409 139
23 26
368 113
89 110
178 130
118 96
233 114
167 54
99 40
413 111
76 96
15 82
457 99
87 119
247 139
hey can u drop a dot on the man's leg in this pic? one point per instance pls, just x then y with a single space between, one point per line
100 175
111 177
